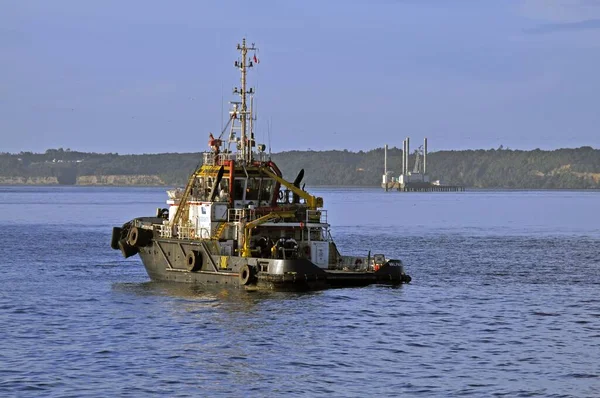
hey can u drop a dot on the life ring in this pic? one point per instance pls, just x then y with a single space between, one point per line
246 274
193 261
192 234
280 195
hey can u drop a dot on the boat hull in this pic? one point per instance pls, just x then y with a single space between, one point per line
169 260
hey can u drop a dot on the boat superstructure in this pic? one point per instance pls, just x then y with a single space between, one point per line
239 223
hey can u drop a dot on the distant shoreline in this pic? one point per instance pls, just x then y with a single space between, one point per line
349 187
494 169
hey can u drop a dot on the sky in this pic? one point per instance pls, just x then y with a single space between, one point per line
154 76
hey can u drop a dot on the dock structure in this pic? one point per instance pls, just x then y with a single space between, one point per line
430 188
416 180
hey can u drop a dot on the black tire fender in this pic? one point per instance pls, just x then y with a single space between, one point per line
126 249
193 261
246 274
133 238
116 235
138 237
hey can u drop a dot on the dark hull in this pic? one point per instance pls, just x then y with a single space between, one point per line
169 260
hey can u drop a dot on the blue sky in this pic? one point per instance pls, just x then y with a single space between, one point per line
148 76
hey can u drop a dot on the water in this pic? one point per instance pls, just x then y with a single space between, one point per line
504 302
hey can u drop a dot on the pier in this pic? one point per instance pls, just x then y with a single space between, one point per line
394 186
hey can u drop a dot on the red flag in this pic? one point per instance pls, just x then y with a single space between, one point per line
256 61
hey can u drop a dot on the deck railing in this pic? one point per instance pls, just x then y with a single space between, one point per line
165 230
316 216
210 159
237 215
182 232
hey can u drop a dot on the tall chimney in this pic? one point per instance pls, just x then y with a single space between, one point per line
425 157
407 154
403 155
385 160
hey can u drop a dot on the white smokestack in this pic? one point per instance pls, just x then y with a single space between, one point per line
407 154
425 156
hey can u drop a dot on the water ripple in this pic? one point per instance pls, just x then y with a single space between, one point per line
491 312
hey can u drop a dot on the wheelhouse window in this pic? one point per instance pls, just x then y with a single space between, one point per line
266 189
252 189
238 188
255 190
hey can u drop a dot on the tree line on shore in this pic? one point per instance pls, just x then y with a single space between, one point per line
577 168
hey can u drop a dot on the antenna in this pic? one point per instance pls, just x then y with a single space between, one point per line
245 115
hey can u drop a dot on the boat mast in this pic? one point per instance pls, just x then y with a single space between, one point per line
247 137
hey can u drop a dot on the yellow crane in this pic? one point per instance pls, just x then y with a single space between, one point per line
313 202
275 215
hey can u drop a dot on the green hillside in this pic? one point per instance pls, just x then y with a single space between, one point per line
495 168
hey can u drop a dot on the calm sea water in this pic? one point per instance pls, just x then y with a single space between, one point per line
505 301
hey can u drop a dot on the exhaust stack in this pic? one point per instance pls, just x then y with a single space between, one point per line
425 157
407 154
385 160
404 156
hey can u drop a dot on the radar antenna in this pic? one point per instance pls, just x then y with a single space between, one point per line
241 112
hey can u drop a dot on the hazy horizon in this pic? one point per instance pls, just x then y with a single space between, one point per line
147 77
412 149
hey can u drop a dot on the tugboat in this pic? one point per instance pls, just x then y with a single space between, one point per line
238 223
